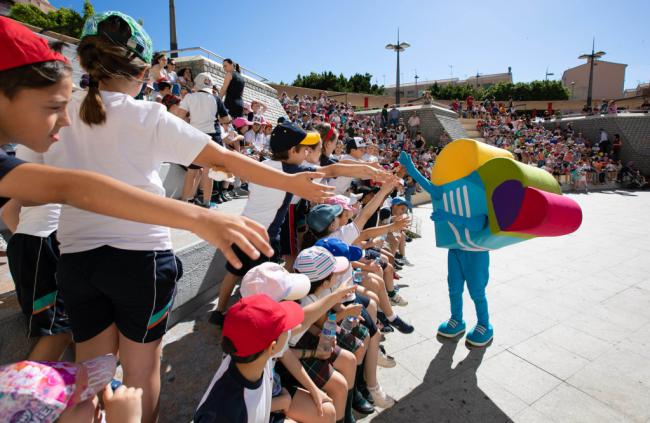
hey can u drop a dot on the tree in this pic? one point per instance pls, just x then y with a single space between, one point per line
64 21
503 91
357 83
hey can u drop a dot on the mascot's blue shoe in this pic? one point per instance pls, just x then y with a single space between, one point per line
480 335
451 328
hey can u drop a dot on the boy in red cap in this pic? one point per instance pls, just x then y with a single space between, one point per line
255 331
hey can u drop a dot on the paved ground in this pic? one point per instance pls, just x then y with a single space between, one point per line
571 318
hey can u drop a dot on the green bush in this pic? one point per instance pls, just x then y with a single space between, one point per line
503 91
327 81
64 21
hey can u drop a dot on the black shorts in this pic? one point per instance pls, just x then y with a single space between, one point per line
248 263
106 285
289 234
32 263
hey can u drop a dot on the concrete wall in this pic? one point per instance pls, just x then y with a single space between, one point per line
433 121
633 128
608 83
356 99
254 90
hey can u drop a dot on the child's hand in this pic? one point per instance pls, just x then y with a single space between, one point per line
124 405
352 310
344 290
303 186
319 397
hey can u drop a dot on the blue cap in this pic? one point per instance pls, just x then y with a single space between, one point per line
399 201
339 248
321 216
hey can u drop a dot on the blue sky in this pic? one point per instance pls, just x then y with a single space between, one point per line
280 39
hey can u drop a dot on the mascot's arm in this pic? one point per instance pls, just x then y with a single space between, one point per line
474 223
433 190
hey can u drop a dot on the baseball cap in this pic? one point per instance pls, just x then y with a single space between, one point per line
321 216
240 121
275 281
46 389
339 248
355 143
252 323
139 42
21 47
343 201
203 82
365 190
317 263
399 201
287 135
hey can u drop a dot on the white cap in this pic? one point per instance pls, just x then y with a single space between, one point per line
203 82
276 282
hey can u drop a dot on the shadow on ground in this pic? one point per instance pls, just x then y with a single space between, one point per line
447 394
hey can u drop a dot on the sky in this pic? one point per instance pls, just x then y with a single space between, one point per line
280 39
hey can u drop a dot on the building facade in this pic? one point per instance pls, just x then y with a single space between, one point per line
608 81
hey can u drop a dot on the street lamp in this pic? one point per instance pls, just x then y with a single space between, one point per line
399 47
591 58
573 84
548 74
416 77
173 44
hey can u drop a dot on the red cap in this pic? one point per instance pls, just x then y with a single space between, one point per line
19 46
256 321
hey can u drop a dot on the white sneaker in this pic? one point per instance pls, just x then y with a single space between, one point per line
379 396
398 300
385 360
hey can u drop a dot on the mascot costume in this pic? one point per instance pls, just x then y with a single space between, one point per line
484 200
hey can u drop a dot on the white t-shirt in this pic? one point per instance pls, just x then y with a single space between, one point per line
40 221
137 137
342 183
203 110
348 234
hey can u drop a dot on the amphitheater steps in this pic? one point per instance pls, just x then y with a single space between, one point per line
470 127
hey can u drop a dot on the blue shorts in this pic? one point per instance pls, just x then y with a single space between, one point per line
106 285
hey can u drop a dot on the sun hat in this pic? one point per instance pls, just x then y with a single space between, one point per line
21 47
240 121
204 82
254 322
287 135
317 263
339 248
41 391
139 42
343 201
322 215
275 281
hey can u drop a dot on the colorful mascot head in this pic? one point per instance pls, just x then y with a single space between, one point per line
483 199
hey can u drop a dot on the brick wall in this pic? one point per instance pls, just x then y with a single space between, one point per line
254 90
634 130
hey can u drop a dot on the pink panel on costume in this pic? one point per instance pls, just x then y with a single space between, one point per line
546 214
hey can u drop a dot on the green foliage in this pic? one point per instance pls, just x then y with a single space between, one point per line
503 91
64 21
357 83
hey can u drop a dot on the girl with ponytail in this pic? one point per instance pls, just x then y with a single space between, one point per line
118 278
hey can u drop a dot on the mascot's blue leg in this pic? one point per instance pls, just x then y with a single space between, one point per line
476 268
455 282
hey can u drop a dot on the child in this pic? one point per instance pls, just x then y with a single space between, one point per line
256 330
118 278
290 146
48 392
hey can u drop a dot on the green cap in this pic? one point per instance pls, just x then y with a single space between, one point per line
139 42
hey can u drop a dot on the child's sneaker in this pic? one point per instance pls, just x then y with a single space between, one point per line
451 328
480 335
381 399
402 326
398 300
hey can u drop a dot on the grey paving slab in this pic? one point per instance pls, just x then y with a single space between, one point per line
572 331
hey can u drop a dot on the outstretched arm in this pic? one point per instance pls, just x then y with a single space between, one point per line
433 190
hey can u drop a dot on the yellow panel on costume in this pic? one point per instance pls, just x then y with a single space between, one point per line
462 157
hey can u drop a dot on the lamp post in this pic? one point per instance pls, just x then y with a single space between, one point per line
416 77
173 44
591 58
399 47
573 84
547 74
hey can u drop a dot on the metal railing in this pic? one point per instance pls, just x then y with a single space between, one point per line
220 58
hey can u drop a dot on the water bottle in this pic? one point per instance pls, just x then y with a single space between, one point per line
328 334
349 323
357 276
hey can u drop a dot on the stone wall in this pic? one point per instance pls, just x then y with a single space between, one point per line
634 130
254 90
433 121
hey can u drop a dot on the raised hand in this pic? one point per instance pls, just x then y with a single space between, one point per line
304 187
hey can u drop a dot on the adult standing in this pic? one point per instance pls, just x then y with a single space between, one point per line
233 88
414 124
393 116
605 144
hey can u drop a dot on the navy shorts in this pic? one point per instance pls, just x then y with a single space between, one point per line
32 263
106 285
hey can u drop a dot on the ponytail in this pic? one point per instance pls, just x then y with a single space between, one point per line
237 68
104 60
235 65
